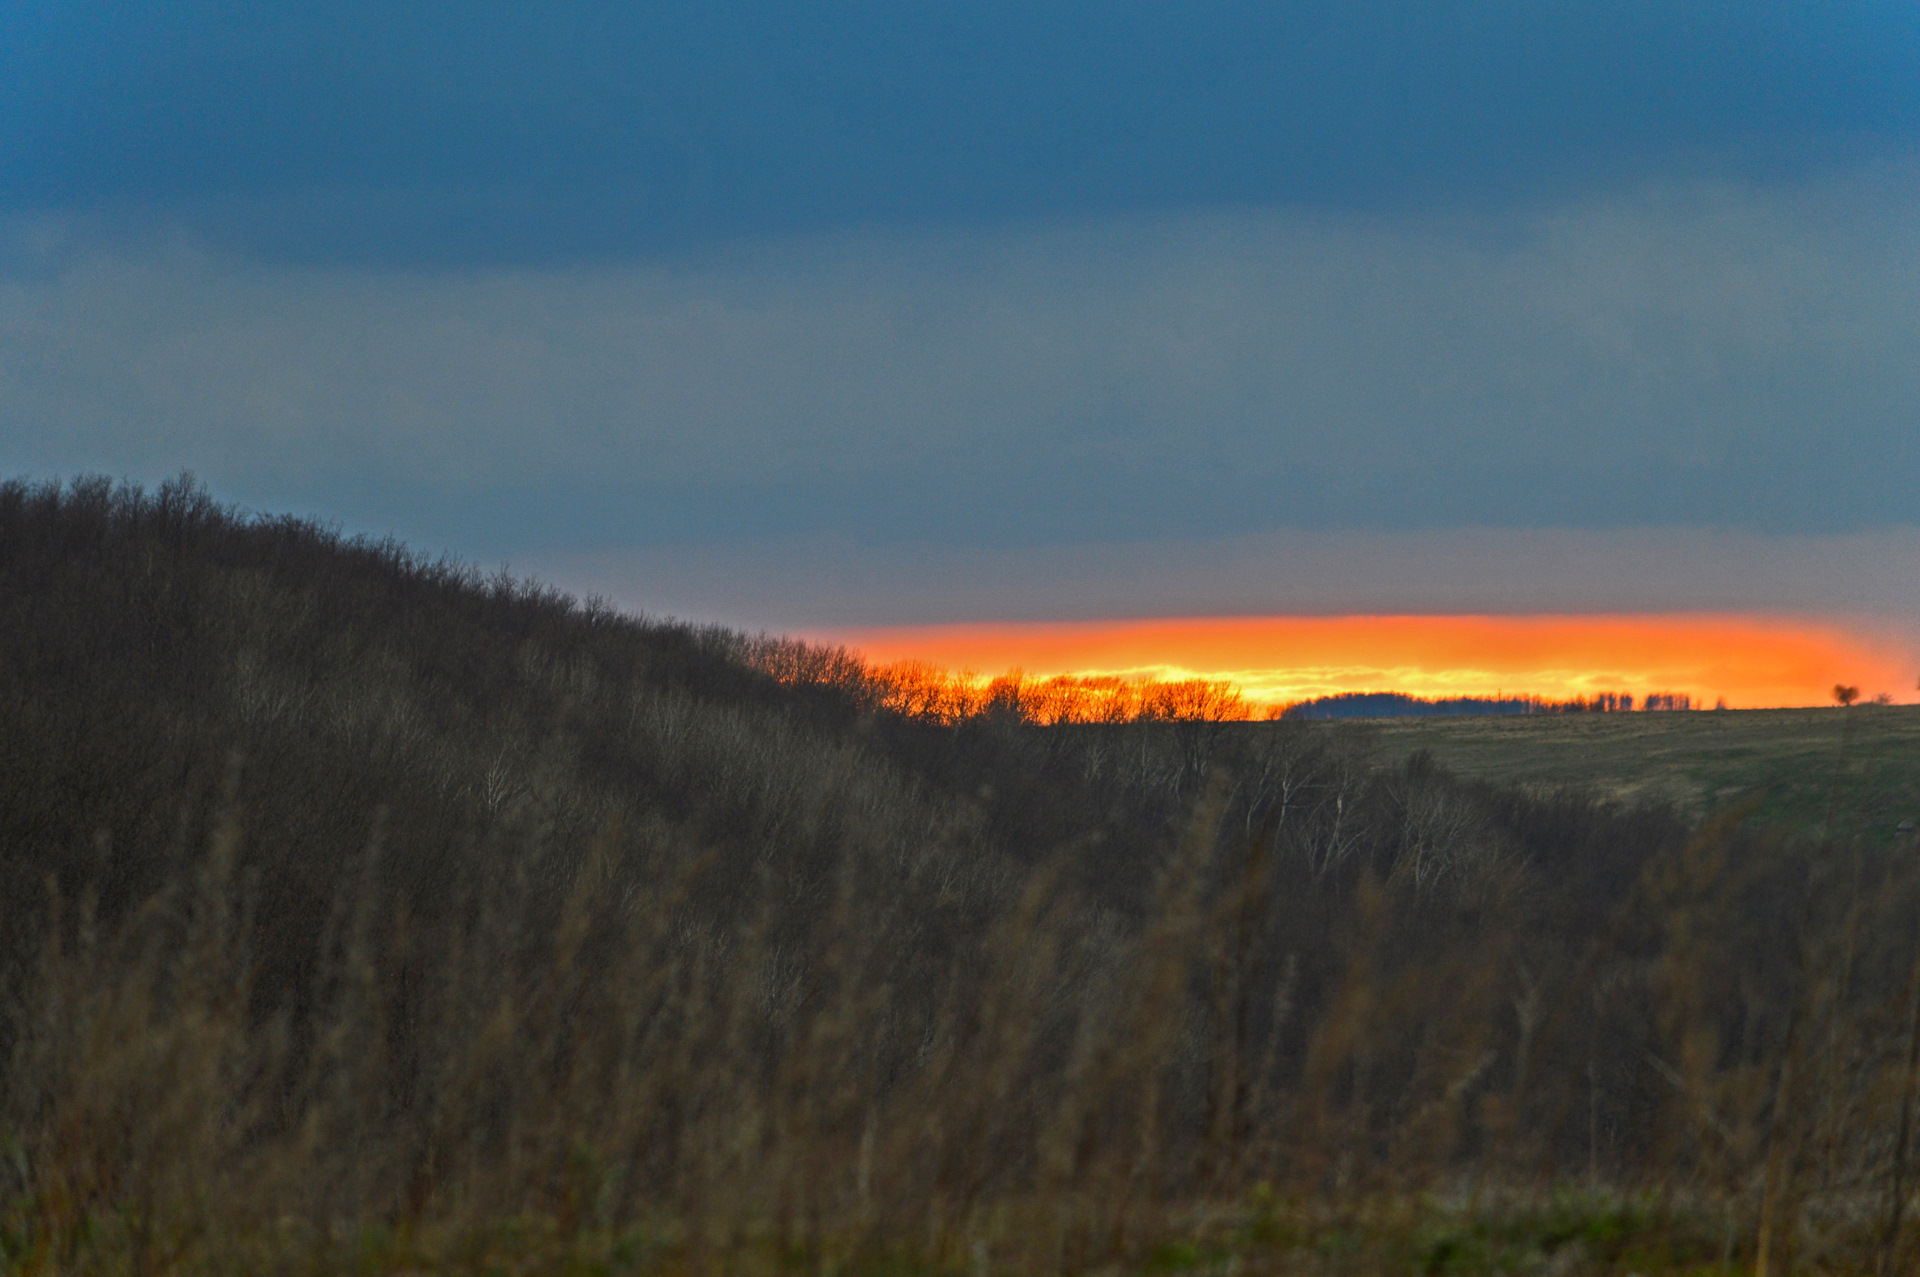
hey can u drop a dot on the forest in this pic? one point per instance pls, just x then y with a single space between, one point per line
362 911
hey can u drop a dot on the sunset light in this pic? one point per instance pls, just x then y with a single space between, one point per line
1749 662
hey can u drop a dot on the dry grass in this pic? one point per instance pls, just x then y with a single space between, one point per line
629 1085
367 916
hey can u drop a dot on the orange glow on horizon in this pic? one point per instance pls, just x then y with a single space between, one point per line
1750 661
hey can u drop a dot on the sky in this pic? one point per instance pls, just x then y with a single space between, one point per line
1731 660
849 317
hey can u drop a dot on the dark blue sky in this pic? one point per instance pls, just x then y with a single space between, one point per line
488 132
538 280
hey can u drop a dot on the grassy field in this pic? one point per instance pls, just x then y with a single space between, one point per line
1862 763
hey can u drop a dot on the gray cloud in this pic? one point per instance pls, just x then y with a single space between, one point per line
1703 355
829 583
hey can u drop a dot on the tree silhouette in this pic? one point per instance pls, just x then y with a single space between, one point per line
1844 694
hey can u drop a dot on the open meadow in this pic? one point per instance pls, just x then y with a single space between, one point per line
1857 767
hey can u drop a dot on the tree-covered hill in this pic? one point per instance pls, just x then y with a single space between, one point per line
358 906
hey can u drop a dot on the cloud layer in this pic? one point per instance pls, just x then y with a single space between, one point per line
1704 355
1873 579
495 132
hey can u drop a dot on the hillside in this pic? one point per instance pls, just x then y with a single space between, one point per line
363 911
1801 768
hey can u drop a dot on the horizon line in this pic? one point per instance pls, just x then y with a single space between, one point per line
1749 659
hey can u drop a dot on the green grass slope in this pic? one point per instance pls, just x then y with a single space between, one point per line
1849 772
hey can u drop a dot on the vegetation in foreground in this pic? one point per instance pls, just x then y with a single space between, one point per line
363 914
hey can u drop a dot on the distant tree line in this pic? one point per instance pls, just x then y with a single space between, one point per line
920 690
1400 705
924 691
